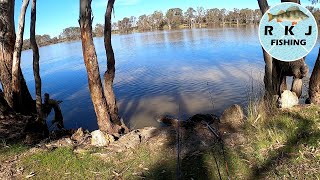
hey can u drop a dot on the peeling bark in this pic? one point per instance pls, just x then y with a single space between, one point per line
110 73
91 62
7 37
35 50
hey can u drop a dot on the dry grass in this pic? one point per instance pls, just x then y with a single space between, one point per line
284 143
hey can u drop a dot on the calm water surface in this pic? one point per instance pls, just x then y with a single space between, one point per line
157 73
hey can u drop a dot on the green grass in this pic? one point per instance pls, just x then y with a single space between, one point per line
63 163
286 143
142 162
7 151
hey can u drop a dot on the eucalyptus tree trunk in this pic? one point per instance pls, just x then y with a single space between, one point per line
7 44
35 50
7 37
110 73
270 88
314 84
298 69
16 86
92 66
276 71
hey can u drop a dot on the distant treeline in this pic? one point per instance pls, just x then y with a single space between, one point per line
174 18
68 34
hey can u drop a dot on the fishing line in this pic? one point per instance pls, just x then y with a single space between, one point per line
178 145
224 158
214 156
219 139
211 97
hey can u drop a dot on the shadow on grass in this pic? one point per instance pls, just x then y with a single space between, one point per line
192 163
200 153
302 135
202 158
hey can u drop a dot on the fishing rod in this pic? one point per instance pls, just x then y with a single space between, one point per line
178 147
217 134
219 137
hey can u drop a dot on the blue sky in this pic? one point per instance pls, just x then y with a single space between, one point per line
55 15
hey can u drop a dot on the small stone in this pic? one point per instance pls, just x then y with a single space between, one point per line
109 138
148 132
63 142
233 116
30 175
78 135
98 139
288 99
68 141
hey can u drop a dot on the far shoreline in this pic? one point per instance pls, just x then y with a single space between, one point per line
140 32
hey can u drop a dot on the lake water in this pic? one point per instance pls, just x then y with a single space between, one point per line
178 73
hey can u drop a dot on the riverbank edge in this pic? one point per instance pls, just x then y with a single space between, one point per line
284 144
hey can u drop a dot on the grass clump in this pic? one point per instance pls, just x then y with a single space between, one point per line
7 151
285 143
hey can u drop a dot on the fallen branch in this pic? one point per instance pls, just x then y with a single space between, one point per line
50 104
